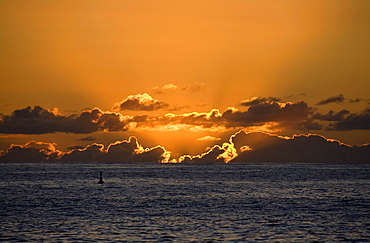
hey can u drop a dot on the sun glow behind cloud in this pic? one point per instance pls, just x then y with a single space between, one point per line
180 72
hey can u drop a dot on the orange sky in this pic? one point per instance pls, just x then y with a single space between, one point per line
194 56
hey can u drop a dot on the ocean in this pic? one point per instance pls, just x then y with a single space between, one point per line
269 202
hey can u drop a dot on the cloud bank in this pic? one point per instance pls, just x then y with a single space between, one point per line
31 152
121 151
242 147
301 148
356 121
258 113
261 147
268 114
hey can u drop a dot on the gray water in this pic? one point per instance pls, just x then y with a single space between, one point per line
62 202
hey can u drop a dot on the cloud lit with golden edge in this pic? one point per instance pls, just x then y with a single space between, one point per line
208 138
257 120
139 102
242 147
256 114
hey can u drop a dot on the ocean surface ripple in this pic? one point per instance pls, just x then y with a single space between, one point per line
62 202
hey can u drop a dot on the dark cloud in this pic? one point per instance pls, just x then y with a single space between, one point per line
155 154
76 147
352 122
308 125
30 121
40 121
335 99
139 102
332 116
340 99
344 120
272 112
120 151
192 119
123 151
131 151
262 111
262 147
357 100
91 153
308 149
140 118
242 147
292 115
31 152
213 155
96 120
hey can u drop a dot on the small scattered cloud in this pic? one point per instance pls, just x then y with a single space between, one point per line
139 102
341 99
335 99
177 108
296 95
357 100
208 138
171 88
196 88
167 88
88 138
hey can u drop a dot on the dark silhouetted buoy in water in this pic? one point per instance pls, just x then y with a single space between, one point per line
101 178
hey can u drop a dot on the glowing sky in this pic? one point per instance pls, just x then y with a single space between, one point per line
185 75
